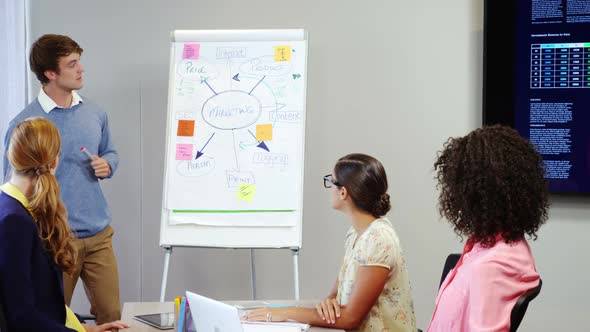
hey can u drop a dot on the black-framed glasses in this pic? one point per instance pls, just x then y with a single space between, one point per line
329 181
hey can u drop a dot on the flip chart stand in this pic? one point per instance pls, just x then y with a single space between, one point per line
294 253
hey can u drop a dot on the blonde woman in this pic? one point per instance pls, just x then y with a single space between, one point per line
35 239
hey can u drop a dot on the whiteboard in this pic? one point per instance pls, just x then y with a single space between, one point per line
235 138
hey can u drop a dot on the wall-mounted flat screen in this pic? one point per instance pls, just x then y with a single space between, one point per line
537 79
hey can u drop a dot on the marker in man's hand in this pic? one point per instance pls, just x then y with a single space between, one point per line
83 149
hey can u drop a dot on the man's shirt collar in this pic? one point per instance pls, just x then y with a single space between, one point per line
48 104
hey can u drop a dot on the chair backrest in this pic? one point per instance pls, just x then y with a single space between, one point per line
86 317
450 263
521 306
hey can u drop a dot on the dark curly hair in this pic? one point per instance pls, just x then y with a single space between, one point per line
366 182
492 182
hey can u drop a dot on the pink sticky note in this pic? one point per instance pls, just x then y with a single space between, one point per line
184 151
191 51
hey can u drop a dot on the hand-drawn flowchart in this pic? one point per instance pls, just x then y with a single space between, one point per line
236 127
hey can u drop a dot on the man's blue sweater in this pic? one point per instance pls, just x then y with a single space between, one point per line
82 125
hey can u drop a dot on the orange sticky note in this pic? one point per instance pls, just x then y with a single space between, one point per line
282 53
264 132
246 192
186 128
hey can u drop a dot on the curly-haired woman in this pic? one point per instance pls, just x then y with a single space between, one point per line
493 192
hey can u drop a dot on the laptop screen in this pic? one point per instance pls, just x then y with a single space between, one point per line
213 316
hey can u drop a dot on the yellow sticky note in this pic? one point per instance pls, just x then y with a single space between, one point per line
282 53
246 192
264 132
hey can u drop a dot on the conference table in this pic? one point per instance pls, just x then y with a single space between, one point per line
131 309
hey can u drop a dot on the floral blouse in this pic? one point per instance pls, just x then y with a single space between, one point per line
379 245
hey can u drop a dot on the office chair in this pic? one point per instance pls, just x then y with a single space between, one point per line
521 305
450 263
84 318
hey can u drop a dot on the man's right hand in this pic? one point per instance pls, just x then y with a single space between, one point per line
101 167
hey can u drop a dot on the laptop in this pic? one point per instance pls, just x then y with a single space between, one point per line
213 316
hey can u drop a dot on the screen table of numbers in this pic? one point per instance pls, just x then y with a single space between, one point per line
560 65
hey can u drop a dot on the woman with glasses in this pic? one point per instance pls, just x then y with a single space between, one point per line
372 291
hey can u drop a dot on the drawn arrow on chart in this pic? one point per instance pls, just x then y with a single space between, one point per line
275 107
236 78
263 146
260 143
204 80
257 84
200 152
244 145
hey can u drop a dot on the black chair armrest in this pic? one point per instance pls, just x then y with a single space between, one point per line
84 318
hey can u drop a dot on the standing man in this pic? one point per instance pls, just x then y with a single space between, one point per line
55 60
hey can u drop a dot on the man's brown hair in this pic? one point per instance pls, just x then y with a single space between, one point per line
46 52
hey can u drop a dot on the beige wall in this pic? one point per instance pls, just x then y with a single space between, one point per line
386 77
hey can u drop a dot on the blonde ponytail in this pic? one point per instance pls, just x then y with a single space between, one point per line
33 151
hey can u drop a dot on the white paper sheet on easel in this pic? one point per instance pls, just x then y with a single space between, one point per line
268 219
